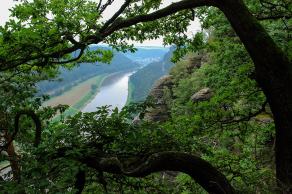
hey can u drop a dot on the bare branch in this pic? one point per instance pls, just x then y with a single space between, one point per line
44 56
116 15
99 4
103 7
40 58
273 17
246 118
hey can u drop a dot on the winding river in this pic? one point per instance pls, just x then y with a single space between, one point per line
113 91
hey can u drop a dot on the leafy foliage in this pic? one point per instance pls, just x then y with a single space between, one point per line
229 130
233 130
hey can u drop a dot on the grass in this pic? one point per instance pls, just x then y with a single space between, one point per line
130 92
73 98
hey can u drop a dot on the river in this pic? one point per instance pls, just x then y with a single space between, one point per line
113 91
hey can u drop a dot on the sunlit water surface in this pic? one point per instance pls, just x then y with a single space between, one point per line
113 91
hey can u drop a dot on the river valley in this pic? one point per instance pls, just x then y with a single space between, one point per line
113 91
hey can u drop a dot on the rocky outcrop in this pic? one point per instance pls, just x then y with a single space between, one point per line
196 62
264 118
202 95
159 112
136 120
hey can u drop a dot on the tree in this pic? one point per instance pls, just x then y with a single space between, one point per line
52 40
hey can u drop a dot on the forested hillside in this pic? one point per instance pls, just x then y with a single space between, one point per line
69 77
142 81
147 54
218 110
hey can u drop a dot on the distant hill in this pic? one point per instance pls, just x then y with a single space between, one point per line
147 54
84 71
120 62
143 80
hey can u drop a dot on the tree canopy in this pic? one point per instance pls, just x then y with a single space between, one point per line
97 147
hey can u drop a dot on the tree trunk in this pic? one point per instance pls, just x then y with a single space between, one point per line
13 158
80 181
273 74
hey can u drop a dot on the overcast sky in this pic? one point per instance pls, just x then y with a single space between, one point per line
5 5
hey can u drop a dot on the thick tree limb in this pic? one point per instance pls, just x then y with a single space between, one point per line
273 74
200 170
71 60
171 9
12 157
108 30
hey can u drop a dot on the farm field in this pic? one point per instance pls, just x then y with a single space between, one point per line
76 93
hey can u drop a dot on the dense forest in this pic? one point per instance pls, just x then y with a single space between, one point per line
147 54
228 99
143 79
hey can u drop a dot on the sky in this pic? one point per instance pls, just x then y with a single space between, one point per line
5 5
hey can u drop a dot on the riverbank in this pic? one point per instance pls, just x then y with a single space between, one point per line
78 96
130 92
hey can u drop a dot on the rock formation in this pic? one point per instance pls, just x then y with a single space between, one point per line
160 111
202 95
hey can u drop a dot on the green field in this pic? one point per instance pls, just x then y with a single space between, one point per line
73 98
130 92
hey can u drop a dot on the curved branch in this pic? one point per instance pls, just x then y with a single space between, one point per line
200 170
71 60
56 54
37 122
246 117
116 24
171 9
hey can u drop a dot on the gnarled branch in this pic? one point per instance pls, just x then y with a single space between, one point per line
200 170
171 9
71 60
37 122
